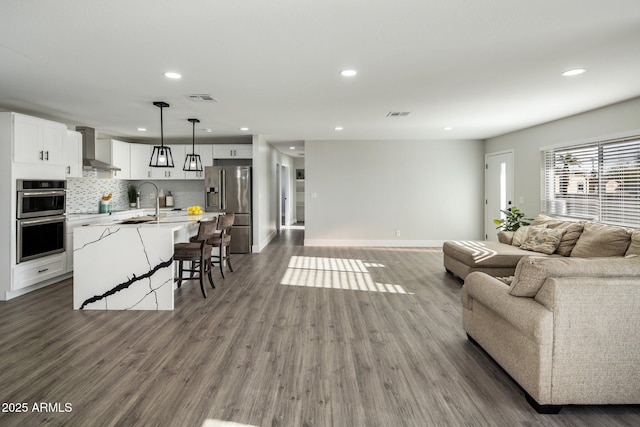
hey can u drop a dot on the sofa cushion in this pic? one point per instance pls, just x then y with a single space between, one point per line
522 234
531 272
569 239
634 247
600 240
483 254
544 240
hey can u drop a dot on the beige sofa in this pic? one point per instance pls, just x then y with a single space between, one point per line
567 330
546 237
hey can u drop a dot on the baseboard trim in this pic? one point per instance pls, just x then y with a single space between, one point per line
379 243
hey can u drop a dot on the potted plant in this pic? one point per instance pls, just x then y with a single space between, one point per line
132 193
514 219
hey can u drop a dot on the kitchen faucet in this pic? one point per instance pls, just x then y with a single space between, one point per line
157 197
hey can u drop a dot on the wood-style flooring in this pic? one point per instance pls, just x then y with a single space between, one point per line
296 336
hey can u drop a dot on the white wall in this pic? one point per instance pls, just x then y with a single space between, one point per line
266 193
612 121
431 191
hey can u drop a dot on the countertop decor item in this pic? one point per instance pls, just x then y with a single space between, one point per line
132 194
161 156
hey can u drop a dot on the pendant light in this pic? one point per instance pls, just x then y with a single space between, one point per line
161 156
192 162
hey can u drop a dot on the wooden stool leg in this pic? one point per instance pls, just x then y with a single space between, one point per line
201 277
209 268
229 259
179 273
221 259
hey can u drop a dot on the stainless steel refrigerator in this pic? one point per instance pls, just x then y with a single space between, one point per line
228 189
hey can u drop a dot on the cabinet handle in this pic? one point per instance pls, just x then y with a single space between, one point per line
43 270
41 155
68 169
46 157
148 174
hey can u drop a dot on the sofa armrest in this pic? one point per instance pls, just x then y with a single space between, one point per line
525 314
506 237
596 356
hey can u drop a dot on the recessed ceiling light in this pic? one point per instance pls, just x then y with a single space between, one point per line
573 72
292 148
338 128
448 128
173 75
208 130
348 73
142 129
244 129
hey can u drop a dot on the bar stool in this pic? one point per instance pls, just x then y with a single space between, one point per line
223 241
198 254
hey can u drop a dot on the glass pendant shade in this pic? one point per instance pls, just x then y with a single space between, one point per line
161 156
192 162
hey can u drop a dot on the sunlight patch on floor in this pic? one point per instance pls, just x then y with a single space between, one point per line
479 251
335 273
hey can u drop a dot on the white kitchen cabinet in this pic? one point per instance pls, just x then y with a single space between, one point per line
206 157
139 156
73 154
120 158
38 270
38 141
178 153
232 151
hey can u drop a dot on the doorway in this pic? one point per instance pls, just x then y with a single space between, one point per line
284 195
498 189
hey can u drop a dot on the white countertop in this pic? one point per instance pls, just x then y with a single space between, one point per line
164 221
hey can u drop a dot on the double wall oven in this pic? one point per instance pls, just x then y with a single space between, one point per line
40 227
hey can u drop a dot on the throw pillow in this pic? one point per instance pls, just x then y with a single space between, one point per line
634 247
570 237
531 272
599 240
522 234
543 240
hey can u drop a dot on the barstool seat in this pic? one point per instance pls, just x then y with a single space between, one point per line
198 254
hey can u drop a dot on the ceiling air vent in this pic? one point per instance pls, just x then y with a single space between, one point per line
201 97
398 114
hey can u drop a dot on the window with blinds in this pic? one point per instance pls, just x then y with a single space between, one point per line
598 181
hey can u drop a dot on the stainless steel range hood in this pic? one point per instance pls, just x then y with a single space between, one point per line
89 160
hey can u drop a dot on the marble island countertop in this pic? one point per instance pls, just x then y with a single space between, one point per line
163 221
129 266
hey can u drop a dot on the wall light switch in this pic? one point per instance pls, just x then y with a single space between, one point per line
314 195
521 200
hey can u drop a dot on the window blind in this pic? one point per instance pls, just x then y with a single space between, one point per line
597 181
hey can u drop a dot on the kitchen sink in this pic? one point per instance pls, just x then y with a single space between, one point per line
138 220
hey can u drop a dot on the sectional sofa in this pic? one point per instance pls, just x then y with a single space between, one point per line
564 320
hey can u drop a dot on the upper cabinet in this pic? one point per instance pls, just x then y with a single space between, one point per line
73 154
120 158
38 141
115 153
232 151
139 155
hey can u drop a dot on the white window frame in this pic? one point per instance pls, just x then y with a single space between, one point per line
597 181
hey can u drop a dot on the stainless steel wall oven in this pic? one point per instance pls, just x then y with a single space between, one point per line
40 226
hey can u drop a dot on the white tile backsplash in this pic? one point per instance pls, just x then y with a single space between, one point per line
84 194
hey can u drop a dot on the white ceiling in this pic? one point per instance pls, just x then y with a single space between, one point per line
484 68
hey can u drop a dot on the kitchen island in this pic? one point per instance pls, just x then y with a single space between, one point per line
129 266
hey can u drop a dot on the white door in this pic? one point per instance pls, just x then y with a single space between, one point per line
498 189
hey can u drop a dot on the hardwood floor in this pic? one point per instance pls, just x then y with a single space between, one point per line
296 336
